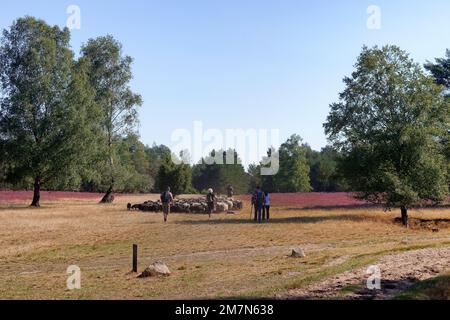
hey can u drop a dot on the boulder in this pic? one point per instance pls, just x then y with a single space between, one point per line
298 253
157 269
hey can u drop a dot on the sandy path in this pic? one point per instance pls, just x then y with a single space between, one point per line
109 263
285 250
398 272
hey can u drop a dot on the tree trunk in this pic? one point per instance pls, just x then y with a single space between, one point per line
109 196
36 193
405 222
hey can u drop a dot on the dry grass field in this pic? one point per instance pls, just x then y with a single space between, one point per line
225 257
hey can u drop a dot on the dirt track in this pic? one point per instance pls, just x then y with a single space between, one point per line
398 272
224 257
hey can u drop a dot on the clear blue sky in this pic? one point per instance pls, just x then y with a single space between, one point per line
245 63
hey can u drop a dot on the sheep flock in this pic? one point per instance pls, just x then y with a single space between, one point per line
193 205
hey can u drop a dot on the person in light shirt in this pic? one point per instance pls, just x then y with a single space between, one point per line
266 212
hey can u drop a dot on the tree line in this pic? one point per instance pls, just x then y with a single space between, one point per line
70 123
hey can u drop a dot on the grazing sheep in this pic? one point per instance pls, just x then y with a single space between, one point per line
136 207
221 207
198 205
230 204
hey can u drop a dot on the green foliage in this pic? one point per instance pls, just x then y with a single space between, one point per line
47 111
132 169
293 175
255 179
156 156
176 176
387 126
323 174
110 74
294 171
71 124
219 174
441 73
136 167
266 182
132 166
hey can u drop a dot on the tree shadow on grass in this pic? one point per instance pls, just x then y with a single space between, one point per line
426 224
359 206
352 206
299 220
359 291
24 207
44 206
409 288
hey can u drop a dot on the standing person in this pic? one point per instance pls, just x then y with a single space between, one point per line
166 199
210 198
255 207
230 191
266 215
259 203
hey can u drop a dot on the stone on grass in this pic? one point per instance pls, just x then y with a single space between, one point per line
157 269
298 253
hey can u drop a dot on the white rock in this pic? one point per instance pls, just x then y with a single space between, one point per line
298 253
156 269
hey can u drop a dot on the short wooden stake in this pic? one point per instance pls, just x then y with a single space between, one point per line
135 252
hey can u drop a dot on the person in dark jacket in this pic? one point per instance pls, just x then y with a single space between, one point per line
210 199
166 200
259 199
254 207
230 191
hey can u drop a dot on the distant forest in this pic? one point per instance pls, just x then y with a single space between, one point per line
140 169
71 123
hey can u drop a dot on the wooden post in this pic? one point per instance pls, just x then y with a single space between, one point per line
135 251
